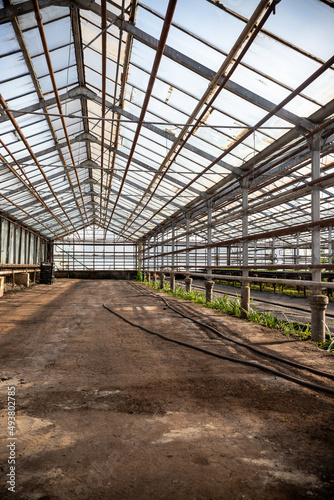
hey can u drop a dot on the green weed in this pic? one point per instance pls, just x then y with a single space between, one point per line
232 307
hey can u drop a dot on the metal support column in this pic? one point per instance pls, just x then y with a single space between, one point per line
187 241
317 301
173 247
209 239
140 255
255 248
162 250
148 254
245 290
155 258
273 251
330 246
297 249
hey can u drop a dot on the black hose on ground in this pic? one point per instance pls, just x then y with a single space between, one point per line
243 344
309 385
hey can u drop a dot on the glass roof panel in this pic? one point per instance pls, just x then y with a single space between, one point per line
49 14
192 47
197 16
8 42
290 68
300 29
203 31
240 109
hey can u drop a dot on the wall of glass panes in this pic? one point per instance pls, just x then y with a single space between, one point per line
18 245
94 257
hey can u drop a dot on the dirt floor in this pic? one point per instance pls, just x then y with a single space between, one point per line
105 410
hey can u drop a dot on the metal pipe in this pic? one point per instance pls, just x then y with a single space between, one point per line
305 227
209 237
187 241
315 144
103 105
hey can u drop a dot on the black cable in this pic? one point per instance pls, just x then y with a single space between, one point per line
251 348
227 358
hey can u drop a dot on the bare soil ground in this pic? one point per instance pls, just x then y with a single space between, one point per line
107 411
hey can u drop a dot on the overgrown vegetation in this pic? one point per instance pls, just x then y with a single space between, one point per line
139 276
233 307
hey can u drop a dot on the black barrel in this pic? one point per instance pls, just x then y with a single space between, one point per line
47 276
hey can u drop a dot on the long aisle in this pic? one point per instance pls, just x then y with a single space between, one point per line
107 411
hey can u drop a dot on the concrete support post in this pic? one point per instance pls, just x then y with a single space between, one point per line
154 277
149 277
172 282
317 301
209 239
318 304
188 281
228 256
2 285
23 279
245 290
209 284
244 300
162 280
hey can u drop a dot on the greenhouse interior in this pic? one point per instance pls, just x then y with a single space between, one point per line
167 140
132 136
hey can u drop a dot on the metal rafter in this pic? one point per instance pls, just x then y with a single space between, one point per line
33 156
307 82
239 49
156 63
55 89
31 69
114 143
